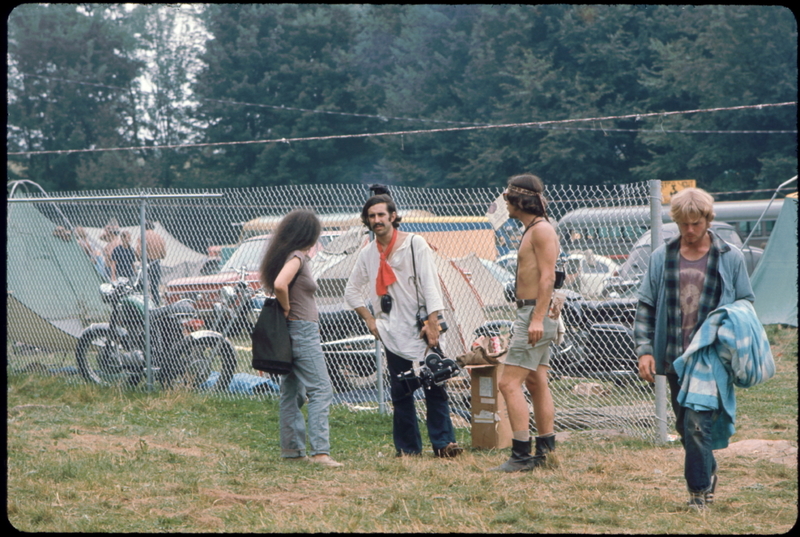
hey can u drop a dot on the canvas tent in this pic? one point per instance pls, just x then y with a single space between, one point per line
180 261
52 287
486 284
775 278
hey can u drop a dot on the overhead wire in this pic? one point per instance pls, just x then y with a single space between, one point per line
383 117
552 124
637 116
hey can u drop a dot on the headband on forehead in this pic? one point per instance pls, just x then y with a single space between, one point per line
523 191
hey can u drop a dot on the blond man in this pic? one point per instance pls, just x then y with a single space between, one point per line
688 277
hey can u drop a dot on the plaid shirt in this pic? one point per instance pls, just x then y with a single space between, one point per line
644 326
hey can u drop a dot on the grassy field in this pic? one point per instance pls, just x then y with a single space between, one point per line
84 459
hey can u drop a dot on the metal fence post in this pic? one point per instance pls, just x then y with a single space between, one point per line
146 283
655 242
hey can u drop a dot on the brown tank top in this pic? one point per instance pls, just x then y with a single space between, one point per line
302 306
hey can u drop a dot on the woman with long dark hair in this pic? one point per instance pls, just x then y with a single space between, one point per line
285 271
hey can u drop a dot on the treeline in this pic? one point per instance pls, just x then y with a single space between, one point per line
147 76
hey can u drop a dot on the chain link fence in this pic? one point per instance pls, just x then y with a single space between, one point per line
69 313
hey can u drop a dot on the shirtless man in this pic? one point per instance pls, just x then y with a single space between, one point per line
156 251
528 357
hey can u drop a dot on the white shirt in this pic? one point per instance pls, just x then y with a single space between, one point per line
398 330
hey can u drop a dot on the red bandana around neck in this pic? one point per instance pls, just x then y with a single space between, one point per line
386 275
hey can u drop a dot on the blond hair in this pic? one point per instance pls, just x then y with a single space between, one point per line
690 204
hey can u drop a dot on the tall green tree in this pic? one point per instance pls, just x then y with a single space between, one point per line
428 60
289 65
170 40
725 56
65 62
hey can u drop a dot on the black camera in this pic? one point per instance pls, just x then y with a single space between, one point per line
435 370
386 304
422 320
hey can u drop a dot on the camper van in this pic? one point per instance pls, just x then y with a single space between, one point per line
744 215
265 225
606 231
612 231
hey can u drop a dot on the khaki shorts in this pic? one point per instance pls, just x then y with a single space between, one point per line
520 352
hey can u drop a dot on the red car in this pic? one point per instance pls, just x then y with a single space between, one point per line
205 290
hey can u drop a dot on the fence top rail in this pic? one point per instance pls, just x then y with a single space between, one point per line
51 199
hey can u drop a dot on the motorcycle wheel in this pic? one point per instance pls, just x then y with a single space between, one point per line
206 362
99 357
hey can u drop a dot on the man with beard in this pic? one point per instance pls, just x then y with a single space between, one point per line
395 271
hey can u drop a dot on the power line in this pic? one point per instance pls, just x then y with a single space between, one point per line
270 106
382 117
636 116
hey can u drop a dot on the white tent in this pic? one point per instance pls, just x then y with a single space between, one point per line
180 261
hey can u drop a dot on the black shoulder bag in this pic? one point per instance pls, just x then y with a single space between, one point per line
272 346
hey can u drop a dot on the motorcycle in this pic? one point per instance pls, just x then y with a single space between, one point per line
183 354
236 311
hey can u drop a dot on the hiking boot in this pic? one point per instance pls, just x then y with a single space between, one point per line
450 450
521 459
545 446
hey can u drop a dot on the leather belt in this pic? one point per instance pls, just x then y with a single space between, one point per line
526 302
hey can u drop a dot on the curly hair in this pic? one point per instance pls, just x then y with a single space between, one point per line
300 229
526 193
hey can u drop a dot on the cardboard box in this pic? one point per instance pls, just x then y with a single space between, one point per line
490 425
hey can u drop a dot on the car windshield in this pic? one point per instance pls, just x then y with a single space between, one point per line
637 262
248 255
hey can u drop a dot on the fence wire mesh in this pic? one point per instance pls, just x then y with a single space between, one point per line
69 314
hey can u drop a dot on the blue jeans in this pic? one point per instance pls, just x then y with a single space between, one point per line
694 429
309 377
405 428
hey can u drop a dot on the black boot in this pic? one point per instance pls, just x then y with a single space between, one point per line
544 446
521 459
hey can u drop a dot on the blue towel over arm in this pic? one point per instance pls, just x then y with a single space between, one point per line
730 348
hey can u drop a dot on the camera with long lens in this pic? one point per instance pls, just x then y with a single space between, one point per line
436 369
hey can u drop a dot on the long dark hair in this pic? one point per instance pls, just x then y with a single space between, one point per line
300 229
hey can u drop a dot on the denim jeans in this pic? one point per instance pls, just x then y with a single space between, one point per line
405 428
694 429
309 377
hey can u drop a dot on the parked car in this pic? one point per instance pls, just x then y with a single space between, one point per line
625 281
204 290
586 272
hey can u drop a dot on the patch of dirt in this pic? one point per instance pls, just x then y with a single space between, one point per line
92 442
777 451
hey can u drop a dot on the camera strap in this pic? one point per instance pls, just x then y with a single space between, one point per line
414 263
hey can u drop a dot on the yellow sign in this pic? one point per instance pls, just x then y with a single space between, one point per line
669 188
